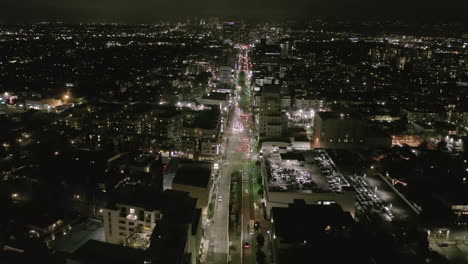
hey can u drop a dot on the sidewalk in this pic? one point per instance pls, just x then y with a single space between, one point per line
235 247
265 225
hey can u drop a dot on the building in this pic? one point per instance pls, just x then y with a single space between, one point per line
459 117
198 139
232 31
302 232
225 75
215 99
46 104
335 130
285 49
197 180
177 237
309 102
457 203
376 138
271 119
100 252
130 223
32 222
431 113
293 176
299 139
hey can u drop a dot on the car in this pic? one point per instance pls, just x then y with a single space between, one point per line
246 245
220 198
245 180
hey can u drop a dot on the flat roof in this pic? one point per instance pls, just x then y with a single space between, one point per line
285 175
216 96
300 221
197 174
338 115
271 88
136 195
206 119
96 252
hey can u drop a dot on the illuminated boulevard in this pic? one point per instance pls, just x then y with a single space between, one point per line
236 154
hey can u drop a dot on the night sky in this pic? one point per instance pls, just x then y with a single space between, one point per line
147 11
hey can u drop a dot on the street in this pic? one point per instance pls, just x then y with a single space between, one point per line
236 153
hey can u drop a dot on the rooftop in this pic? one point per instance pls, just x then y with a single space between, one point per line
271 89
299 222
206 119
169 238
216 96
306 172
338 115
136 195
195 174
96 252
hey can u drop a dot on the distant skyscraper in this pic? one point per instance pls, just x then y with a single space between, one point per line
225 75
232 31
285 48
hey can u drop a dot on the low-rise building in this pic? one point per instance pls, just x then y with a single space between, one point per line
302 232
216 99
423 113
123 220
197 180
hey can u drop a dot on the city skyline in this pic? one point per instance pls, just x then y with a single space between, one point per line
147 11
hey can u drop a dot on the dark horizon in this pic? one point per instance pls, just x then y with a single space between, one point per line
145 11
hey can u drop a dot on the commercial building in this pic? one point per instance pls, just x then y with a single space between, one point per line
215 99
271 118
225 75
290 176
334 130
303 232
232 31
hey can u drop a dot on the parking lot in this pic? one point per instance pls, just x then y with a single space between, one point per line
369 202
375 199
335 179
367 199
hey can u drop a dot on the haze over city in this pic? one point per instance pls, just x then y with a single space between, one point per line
152 11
